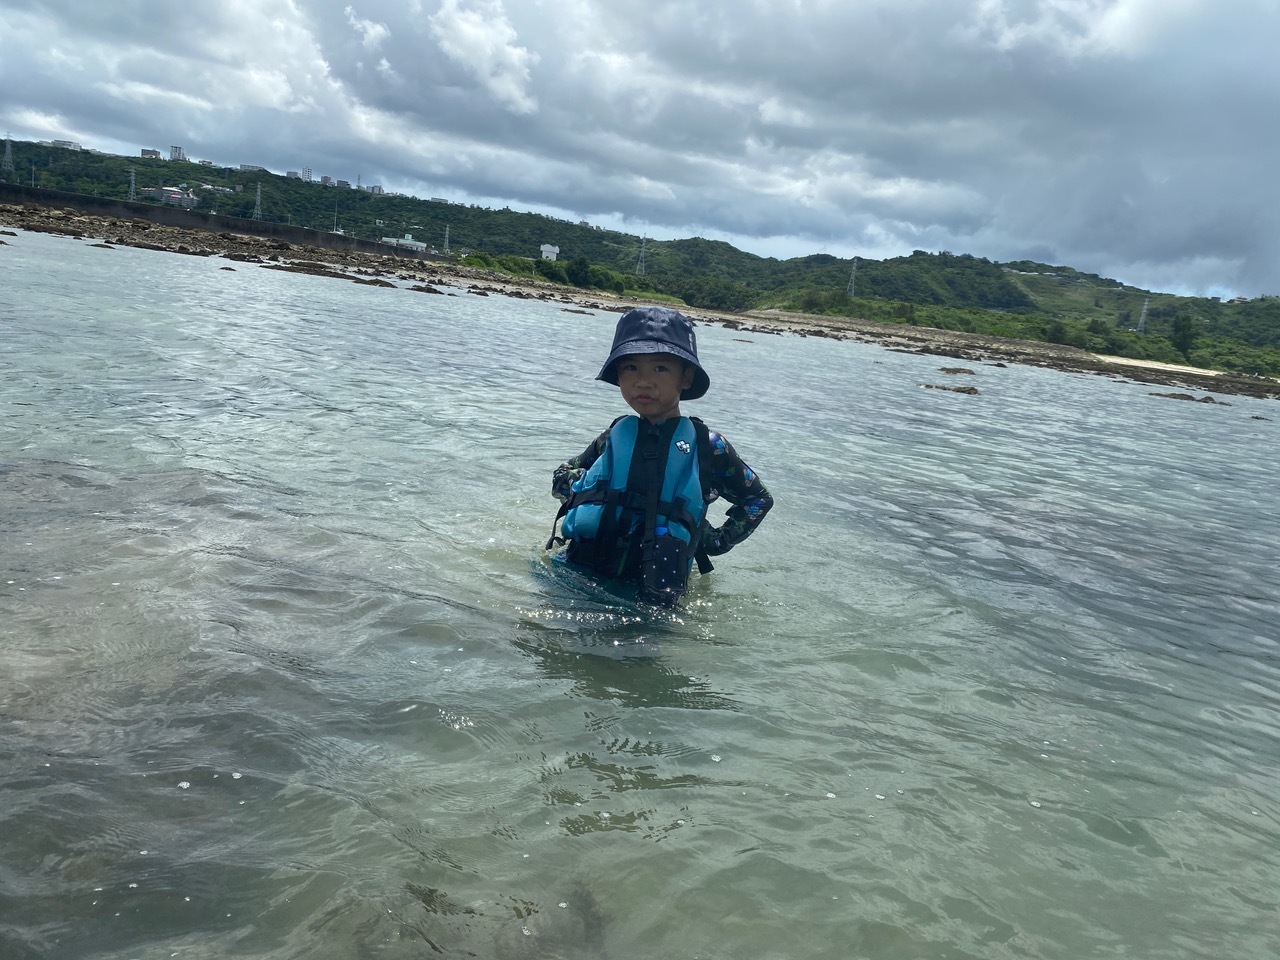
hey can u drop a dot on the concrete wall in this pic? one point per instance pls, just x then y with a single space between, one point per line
171 216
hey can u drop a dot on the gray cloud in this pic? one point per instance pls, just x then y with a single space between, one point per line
1132 138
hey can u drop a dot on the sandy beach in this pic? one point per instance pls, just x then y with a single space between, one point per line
444 277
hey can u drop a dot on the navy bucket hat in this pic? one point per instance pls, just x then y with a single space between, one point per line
656 330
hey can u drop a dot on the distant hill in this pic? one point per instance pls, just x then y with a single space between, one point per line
1021 299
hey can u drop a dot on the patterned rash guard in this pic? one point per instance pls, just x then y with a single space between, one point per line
729 477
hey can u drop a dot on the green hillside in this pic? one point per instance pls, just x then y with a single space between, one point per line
1022 299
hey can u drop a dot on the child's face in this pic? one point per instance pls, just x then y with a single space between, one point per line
651 384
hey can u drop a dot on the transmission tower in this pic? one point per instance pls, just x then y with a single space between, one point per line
446 239
1142 317
133 184
640 264
257 205
853 278
6 167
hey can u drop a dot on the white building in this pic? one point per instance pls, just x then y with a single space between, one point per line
174 195
406 243
549 252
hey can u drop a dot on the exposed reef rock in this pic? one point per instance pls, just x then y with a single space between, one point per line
430 276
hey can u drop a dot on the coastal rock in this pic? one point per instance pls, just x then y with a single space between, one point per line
314 269
969 391
974 348
1187 396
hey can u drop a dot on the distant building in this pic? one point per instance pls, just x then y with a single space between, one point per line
327 180
293 174
252 167
549 252
174 195
306 174
150 154
206 163
177 153
343 183
67 144
406 243
374 188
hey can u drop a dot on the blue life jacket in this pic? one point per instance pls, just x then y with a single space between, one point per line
637 513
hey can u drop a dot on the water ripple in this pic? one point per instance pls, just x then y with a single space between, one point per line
285 673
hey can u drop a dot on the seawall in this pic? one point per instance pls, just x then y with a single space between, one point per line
171 216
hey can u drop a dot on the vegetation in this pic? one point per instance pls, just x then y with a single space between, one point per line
1023 299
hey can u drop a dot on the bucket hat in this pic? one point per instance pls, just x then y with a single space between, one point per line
656 330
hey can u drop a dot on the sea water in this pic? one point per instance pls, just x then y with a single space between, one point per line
284 671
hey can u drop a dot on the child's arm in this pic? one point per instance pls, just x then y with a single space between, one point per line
732 479
572 470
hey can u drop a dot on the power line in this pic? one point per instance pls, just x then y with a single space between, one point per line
640 265
6 166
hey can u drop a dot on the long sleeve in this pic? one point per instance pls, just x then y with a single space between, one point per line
732 479
572 470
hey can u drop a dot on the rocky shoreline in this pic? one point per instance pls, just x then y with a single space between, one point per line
444 277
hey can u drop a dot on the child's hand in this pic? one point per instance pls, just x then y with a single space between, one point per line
563 479
713 542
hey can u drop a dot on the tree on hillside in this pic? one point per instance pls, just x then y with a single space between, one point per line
579 271
1184 334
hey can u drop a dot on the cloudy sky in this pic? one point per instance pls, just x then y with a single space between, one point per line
1137 139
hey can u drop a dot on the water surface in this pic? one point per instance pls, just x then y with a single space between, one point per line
284 672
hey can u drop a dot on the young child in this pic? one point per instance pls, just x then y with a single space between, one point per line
634 503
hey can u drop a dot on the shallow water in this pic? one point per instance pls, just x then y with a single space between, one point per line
284 672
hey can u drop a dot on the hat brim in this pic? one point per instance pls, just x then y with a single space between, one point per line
701 382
